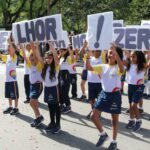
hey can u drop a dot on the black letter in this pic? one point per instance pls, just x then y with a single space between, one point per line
120 33
50 25
20 38
143 38
30 31
40 30
130 38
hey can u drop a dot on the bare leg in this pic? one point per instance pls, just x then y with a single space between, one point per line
131 112
136 111
96 121
83 86
141 103
10 102
115 119
16 103
35 107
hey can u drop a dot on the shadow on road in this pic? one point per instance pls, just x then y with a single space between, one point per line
128 132
71 140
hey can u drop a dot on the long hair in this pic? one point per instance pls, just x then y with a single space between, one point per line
141 60
52 71
65 56
119 52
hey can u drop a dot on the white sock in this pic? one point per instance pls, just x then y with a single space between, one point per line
113 141
102 133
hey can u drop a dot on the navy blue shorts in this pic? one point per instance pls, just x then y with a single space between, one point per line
84 75
94 90
11 90
109 102
36 90
135 93
51 95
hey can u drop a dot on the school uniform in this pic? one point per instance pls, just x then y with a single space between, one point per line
135 82
51 88
11 85
64 81
94 80
73 79
51 96
36 81
109 99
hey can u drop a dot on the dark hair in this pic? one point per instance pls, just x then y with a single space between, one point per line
66 56
52 69
141 60
119 51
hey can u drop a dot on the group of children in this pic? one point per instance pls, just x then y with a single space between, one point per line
56 71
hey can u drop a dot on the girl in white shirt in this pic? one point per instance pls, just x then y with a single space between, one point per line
135 78
35 65
66 60
11 85
51 94
110 96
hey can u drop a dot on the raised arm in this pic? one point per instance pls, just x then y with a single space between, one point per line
36 53
119 61
88 65
71 55
54 54
77 54
83 49
22 47
11 46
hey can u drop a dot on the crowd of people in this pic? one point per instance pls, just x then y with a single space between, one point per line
55 72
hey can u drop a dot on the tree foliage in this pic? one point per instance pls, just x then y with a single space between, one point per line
74 12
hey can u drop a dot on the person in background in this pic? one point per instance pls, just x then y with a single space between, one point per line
11 85
73 75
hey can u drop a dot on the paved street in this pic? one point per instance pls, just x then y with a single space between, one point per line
78 133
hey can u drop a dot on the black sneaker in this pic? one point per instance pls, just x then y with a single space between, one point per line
102 139
112 146
73 97
55 130
62 107
130 124
27 101
137 126
14 111
66 109
7 110
37 121
50 127
83 97
141 111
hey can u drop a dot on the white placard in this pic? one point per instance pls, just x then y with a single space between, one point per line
47 28
100 31
77 41
132 38
4 35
